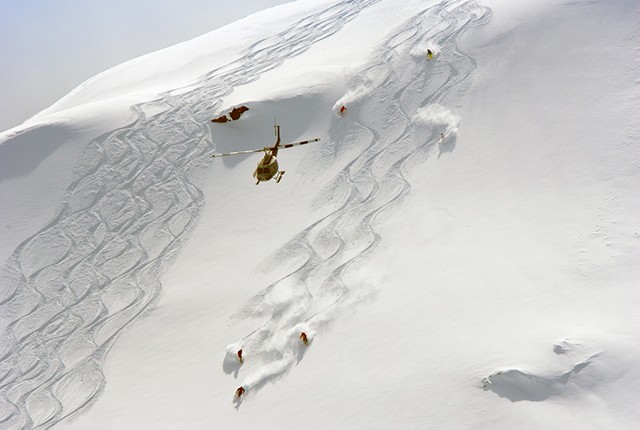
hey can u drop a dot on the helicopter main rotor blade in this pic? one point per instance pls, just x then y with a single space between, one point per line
303 142
239 152
288 145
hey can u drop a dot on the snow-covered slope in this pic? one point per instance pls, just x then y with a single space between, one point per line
459 247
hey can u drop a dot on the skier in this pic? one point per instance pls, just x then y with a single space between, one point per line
343 109
429 54
240 355
441 137
240 391
304 338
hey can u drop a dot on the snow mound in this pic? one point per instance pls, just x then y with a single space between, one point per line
518 385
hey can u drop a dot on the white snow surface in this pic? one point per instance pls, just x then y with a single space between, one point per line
485 279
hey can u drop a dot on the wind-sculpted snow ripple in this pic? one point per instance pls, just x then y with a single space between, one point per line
78 282
381 116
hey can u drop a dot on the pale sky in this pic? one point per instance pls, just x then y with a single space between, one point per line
47 48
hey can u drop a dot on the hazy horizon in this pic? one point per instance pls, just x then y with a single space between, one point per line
40 65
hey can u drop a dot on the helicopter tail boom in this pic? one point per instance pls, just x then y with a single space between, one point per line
303 142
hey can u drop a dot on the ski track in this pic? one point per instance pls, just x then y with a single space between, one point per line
315 293
74 286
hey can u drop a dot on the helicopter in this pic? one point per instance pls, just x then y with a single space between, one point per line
267 168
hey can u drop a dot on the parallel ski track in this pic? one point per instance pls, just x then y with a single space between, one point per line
313 294
95 268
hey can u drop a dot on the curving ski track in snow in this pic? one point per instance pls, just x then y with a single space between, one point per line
317 291
75 285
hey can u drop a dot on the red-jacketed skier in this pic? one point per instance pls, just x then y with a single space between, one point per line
239 392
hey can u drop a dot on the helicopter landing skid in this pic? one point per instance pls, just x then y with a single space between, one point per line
279 177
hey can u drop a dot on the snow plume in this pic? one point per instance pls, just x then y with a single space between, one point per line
439 116
231 362
289 348
354 95
420 50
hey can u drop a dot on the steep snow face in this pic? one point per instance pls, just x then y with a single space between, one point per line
74 285
448 266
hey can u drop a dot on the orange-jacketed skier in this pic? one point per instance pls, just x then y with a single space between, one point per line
303 337
240 356
343 109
